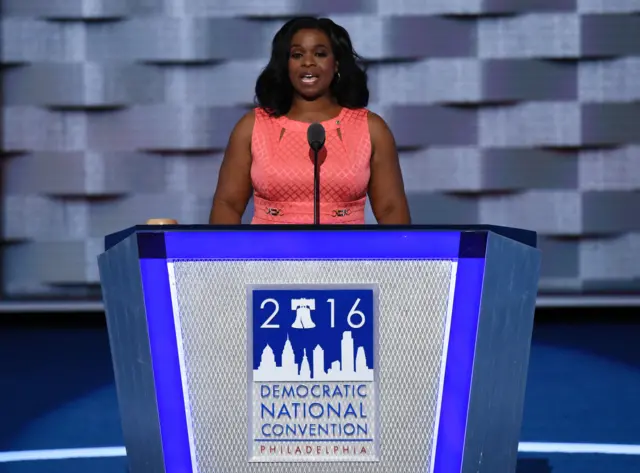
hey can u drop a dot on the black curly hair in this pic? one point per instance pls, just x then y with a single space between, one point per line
274 92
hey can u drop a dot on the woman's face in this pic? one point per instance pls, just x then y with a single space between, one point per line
312 65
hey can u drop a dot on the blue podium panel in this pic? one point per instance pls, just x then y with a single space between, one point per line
319 350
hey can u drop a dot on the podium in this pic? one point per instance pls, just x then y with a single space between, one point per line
320 349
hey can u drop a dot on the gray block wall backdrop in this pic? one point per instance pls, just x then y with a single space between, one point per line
522 113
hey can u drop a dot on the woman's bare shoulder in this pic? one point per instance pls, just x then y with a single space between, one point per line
379 130
244 127
376 122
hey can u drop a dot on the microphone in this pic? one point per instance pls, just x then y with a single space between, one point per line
316 137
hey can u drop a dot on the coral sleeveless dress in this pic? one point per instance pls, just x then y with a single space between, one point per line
282 169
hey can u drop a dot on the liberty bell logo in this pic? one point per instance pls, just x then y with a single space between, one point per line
303 308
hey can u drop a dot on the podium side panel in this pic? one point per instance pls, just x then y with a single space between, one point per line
502 356
165 358
459 357
131 355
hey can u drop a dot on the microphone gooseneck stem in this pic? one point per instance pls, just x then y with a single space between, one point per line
316 189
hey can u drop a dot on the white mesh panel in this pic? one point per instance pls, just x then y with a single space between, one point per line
212 303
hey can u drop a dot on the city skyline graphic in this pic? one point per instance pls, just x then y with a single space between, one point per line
351 366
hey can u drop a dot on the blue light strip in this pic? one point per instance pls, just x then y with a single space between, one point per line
322 245
166 366
459 369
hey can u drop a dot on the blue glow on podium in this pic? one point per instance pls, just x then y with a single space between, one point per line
166 365
319 245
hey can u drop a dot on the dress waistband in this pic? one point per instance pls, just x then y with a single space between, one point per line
267 211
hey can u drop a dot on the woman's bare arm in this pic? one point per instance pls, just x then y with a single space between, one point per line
234 188
386 187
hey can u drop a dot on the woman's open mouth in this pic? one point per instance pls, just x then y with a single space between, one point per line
309 79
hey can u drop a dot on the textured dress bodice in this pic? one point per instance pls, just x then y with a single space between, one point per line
282 169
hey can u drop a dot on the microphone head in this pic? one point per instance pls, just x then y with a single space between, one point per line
316 136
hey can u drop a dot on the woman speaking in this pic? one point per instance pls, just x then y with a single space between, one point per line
313 76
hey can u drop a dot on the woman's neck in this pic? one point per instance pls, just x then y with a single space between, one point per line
314 110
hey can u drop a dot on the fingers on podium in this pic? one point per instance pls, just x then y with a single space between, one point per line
162 221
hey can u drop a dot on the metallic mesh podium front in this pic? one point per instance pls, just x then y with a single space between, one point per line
210 300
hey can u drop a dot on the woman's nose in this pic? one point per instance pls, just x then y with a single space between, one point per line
308 60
